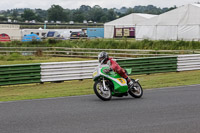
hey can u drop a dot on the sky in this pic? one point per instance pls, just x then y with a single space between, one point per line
74 4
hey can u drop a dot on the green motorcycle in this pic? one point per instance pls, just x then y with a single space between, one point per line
112 84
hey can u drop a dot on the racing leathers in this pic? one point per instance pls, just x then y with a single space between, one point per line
116 68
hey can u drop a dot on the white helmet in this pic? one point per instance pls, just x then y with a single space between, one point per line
102 57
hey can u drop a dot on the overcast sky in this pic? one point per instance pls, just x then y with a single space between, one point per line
73 4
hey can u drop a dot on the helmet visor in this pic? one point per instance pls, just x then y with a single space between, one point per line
100 59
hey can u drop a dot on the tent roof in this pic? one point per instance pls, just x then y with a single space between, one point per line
130 19
184 15
29 35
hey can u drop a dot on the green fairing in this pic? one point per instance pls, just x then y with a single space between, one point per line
111 74
118 88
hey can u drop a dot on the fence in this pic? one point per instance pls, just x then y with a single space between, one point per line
150 65
188 62
20 74
78 70
62 71
92 53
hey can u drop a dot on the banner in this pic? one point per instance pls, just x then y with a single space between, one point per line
118 32
126 32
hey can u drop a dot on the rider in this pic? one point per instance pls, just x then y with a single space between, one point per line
104 59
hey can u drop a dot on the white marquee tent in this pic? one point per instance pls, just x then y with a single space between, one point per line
127 21
182 23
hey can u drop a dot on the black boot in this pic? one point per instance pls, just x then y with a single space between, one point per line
130 83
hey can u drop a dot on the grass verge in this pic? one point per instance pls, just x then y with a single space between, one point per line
85 87
123 43
10 60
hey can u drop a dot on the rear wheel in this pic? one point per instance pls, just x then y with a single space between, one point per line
137 90
99 90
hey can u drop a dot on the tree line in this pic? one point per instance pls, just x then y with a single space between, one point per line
85 12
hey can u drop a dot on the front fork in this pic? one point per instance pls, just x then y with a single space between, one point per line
104 85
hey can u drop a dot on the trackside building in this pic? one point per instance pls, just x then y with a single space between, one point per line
11 32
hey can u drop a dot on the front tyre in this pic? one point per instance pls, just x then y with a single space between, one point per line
103 94
137 92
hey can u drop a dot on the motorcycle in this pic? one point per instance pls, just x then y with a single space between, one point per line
108 84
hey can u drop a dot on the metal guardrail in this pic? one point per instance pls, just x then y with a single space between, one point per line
19 74
78 70
188 62
61 71
150 65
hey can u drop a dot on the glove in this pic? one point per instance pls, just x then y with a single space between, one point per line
107 70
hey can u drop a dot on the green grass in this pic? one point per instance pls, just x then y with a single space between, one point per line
85 87
123 43
19 59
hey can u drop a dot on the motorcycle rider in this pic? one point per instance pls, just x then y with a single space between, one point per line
104 59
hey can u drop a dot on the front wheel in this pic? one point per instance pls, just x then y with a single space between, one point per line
99 90
137 92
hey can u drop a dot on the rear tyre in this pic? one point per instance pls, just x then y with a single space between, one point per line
137 91
104 95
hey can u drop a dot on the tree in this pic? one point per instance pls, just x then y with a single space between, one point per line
28 15
85 12
56 13
172 8
78 16
111 15
68 15
96 13
85 8
123 10
41 15
14 14
2 18
129 11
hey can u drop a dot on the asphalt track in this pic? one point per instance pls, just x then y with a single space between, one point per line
166 110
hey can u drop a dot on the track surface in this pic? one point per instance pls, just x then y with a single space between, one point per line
168 110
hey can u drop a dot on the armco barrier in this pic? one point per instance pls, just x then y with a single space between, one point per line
188 62
19 74
62 71
150 65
